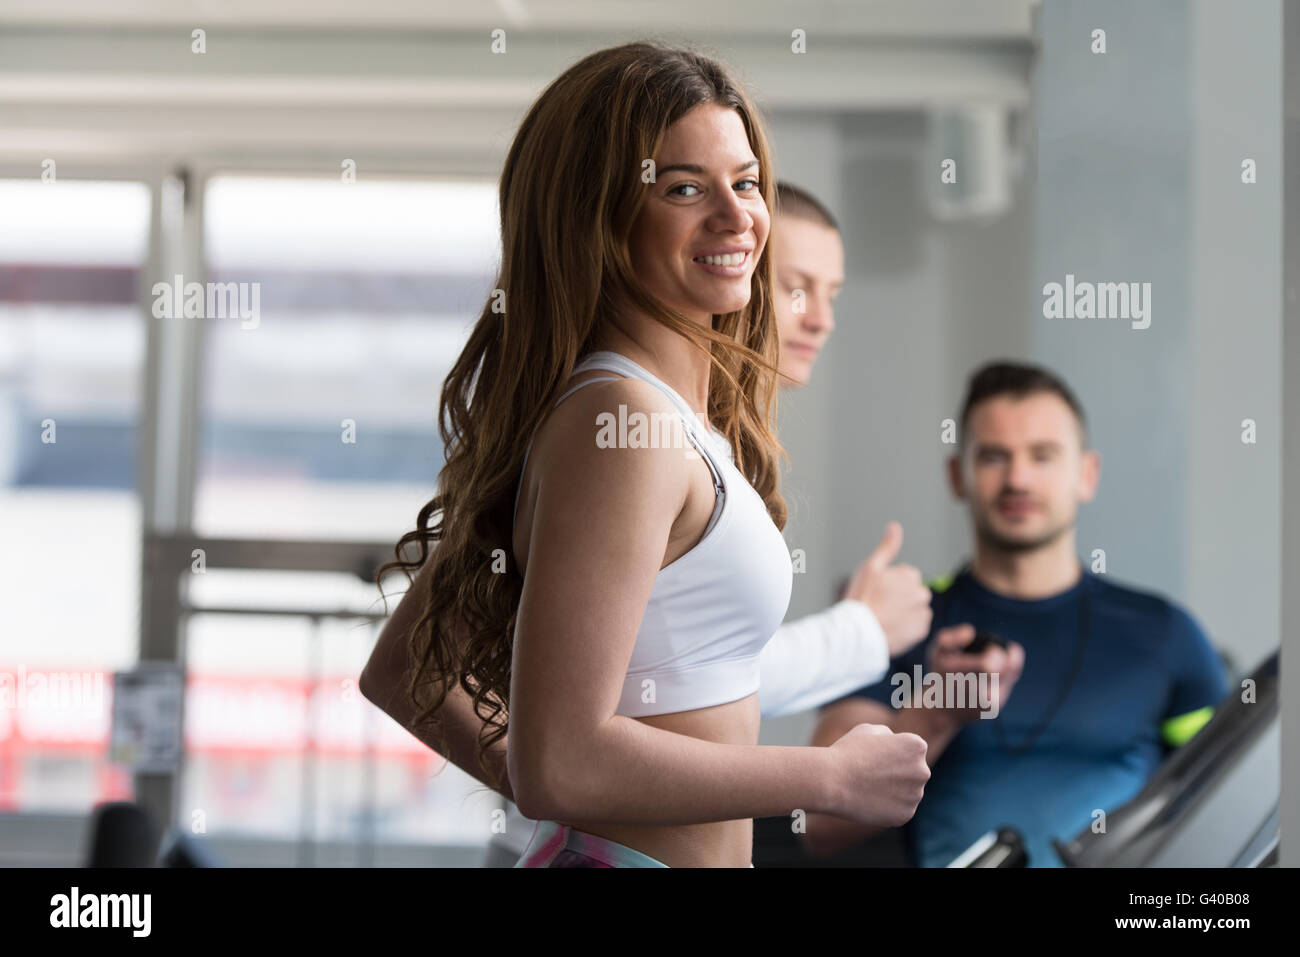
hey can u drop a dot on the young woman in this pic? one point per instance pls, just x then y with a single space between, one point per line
612 597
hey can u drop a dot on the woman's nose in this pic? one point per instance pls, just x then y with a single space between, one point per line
729 213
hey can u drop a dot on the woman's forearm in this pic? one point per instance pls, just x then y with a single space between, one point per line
828 834
384 683
632 773
461 749
460 726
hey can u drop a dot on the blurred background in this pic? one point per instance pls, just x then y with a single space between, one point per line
216 494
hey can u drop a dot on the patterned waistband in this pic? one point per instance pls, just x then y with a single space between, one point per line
551 839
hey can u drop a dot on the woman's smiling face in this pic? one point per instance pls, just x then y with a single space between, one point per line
704 223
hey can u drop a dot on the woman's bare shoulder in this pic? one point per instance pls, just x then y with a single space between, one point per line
601 418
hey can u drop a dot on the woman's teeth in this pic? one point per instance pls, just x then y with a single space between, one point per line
731 259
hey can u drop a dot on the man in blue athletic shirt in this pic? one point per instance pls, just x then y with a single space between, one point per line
1098 681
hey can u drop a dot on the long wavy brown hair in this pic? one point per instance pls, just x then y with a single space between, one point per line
570 191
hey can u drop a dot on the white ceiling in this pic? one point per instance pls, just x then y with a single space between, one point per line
405 84
880 18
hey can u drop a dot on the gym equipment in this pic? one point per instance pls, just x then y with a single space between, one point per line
121 835
1001 848
1213 803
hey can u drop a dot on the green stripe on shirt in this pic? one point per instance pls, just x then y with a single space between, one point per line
1178 730
939 583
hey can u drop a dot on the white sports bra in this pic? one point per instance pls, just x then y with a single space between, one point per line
712 610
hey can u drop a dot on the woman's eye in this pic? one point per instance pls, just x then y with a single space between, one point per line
753 188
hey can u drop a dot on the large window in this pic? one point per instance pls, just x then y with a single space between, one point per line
317 420
318 407
319 412
71 355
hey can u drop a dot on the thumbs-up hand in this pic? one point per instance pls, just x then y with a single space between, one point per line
896 594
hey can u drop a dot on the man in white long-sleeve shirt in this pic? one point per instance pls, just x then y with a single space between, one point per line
814 660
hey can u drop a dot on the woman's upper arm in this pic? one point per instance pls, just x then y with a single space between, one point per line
600 530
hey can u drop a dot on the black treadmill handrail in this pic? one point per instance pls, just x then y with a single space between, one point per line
1179 784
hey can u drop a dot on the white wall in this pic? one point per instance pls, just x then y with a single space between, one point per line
1234 490
1290 803
1139 153
923 303
1136 177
